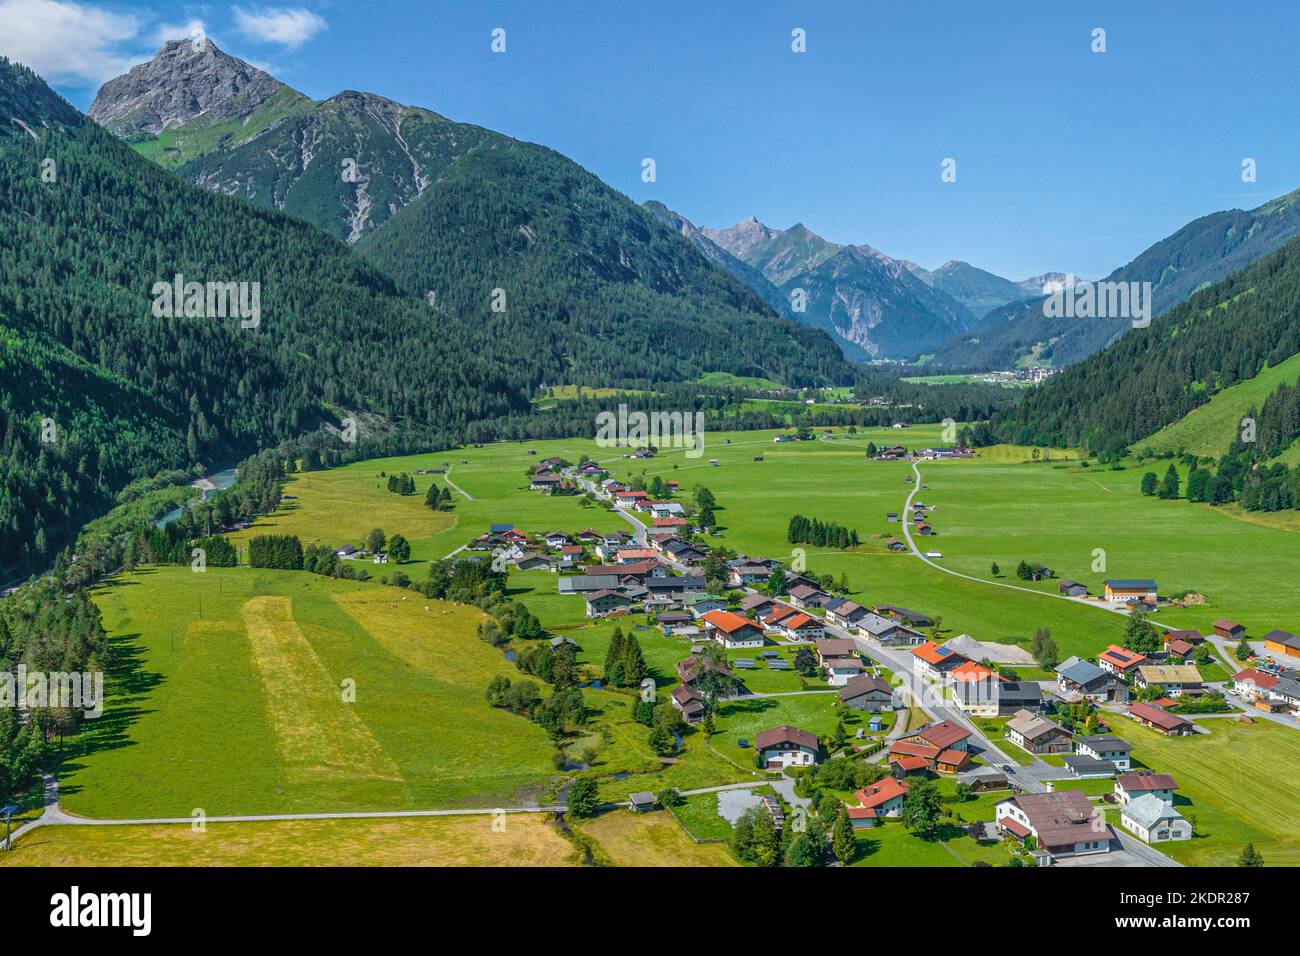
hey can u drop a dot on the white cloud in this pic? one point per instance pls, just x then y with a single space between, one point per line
67 42
178 31
287 26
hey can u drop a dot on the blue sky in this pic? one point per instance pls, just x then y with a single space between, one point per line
1066 159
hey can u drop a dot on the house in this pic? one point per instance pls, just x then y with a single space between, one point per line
997 697
1037 734
1088 768
1104 747
731 630
587 583
1229 630
673 524
1120 662
895 545
694 667
689 703
1287 692
1172 679
1282 643
884 798
932 661
674 619
635 555
924 529
381 558
1130 785
1171 725
600 603
908 617
666 509
1063 823
683 585
867 692
983 778
806 596
844 612
532 562
557 539
347 552
589 536
1154 820
702 604
1085 680
1130 590
760 604
786 746
746 574
884 631
543 481
830 649
945 735
779 613
1071 588
1250 684
801 627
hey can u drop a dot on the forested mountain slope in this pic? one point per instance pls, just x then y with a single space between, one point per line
1202 252
592 287
1151 377
80 253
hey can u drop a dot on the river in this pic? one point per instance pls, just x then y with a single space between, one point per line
217 481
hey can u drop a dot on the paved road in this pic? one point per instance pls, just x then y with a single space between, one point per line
455 487
55 815
638 529
905 518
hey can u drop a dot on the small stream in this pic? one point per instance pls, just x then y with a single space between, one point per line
217 481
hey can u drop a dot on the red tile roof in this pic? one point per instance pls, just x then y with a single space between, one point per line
910 763
1154 715
932 653
1015 826
1262 681
727 622
881 792
1120 657
944 734
1142 782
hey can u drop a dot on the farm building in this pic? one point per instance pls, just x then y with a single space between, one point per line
1151 716
1282 643
1128 590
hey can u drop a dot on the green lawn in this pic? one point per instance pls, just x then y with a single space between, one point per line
1241 782
699 815
891 844
238 707
744 719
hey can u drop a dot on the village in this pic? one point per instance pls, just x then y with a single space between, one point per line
1045 757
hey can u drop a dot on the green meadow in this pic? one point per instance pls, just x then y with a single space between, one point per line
1240 783
228 696
1000 507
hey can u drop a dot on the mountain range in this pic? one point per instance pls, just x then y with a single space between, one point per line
511 268
1199 254
877 307
352 162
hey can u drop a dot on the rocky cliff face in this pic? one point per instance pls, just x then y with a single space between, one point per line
180 84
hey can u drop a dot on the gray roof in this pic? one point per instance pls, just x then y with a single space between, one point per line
1081 763
1083 673
1103 742
587 582
1148 810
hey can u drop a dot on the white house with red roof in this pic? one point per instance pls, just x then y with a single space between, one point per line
731 630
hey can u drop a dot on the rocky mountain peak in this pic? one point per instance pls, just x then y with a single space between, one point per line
183 81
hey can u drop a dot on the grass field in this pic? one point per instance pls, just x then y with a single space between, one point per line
1209 429
650 839
525 840
238 707
1241 782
